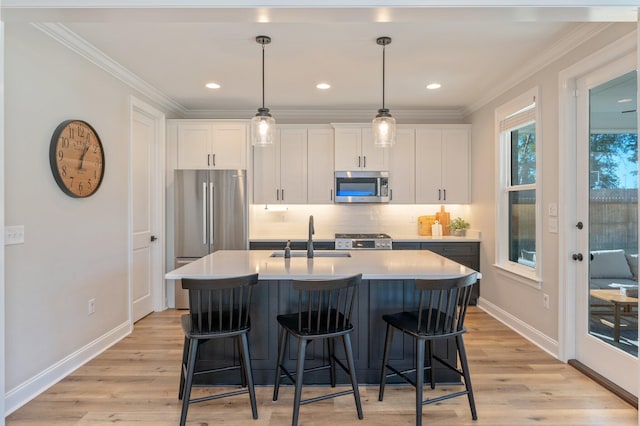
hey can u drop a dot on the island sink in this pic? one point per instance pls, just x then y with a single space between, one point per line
315 254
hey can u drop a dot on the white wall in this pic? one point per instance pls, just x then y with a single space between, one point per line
518 304
75 249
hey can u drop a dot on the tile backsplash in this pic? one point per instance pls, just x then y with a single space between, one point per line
394 219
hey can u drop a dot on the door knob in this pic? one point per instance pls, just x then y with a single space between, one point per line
577 256
579 225
153 238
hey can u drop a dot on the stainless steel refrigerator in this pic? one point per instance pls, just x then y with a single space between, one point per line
210 214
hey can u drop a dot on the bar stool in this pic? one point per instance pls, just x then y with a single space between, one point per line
217 308
440 315
324 312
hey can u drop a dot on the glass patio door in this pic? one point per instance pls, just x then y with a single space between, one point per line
607 196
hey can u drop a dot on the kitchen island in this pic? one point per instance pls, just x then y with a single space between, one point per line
387 287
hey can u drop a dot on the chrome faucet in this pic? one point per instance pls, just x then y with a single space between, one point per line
310 241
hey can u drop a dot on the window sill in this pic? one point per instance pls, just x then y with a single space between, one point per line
520 274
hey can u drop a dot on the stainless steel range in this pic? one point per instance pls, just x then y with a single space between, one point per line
363 241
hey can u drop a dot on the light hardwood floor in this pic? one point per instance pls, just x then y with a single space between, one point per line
515 383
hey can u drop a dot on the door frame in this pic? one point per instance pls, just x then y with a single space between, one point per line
158 205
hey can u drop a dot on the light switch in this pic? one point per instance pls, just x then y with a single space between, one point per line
553 225
553 209
14 235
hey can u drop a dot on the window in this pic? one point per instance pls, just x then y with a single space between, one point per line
518 218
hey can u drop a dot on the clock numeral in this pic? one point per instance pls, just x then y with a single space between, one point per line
60 155
95 149
71 133
65 142
89 183
64 170
71 184
81 131
80 187
95 174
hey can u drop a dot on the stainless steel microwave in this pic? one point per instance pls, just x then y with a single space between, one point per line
362 187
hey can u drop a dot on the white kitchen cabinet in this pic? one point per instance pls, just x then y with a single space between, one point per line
320 169
442 164
211 145
355 150
280 170
402 170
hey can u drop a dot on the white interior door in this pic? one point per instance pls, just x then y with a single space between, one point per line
146 255
607 222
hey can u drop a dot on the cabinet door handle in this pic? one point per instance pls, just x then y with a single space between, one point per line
214 160
444 191
208 159
277 195
391 195
282 194
439 194
358 161
331 194
365 161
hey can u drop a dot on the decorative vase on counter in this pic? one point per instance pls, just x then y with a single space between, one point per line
459 232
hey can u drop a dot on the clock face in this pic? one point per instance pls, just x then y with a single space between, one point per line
76 158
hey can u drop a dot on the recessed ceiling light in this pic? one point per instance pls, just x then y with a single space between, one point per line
622 101
323 86
433 86
212 85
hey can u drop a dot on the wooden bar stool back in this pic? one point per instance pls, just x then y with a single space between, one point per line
325 308
442 307
218 308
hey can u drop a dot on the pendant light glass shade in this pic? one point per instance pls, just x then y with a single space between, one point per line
263 128
384 125
263 125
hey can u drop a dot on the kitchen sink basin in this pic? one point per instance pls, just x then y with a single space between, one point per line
315 254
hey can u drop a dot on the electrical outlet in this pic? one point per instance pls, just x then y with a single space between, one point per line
14 235
545 301
92 306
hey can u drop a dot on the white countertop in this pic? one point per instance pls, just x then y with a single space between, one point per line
373 264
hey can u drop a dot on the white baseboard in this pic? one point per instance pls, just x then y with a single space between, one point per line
539 339
25 392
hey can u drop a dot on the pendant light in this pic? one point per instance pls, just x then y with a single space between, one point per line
263 125
384 125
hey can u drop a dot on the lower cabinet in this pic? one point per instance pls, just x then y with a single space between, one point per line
375 298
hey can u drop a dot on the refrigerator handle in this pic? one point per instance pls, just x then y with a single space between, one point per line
210 212
204 213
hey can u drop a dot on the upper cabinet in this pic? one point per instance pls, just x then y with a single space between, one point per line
280 171
208 144
320 176
354 150
402 167
442 164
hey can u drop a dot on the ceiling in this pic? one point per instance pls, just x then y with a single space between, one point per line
474 53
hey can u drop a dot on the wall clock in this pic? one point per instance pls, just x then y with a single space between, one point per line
76 158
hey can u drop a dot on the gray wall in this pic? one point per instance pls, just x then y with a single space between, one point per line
75 249
517 300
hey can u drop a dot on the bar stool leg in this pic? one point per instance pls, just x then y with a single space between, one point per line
332 354
467 377
246 363
346 341
191 366
419 379
243 377
282 346
183 366
302 348
385 361
432 375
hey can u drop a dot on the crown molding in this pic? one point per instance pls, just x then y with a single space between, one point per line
319 116
71 40
579 35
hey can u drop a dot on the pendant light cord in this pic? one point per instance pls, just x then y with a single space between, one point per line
383 62
263 75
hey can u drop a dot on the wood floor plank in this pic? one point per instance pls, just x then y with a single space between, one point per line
135 383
